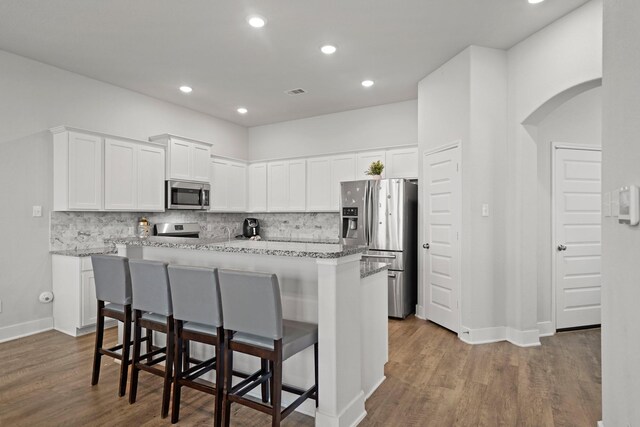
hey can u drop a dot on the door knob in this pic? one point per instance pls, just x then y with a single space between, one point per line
562 248
426 246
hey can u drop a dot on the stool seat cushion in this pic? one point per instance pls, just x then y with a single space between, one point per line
155 317
114 307
296 336
200 328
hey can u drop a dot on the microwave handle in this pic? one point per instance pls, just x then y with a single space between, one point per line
202 198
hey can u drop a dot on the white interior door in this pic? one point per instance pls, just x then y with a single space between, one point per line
441 246
577 235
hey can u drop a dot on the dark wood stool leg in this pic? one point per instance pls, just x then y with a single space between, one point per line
315 363
228 376
126 345
186 355
168 368
137 332
264 369
149 346
97 356
271 381
277 386
220 366
179 350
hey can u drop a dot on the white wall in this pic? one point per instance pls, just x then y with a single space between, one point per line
35 97
563 55
465 100
362 129
577 121
621 243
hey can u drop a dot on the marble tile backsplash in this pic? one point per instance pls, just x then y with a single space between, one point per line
83 230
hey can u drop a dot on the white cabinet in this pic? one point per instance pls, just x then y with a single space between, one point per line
228 186
74 303
286 186
343 168
364 161
77 170
402 163
133 176
319 184
187 159
257 187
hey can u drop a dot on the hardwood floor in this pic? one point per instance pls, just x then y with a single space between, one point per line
433 379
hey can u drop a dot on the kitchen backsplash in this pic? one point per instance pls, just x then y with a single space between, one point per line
83 230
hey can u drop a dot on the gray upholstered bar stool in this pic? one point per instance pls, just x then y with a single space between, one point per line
254 325
113 293
152 309
197 313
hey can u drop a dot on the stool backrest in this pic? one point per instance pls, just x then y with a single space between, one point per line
251 303
195 293
112 278
150 284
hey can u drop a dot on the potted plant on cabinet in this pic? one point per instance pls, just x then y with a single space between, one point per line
375 169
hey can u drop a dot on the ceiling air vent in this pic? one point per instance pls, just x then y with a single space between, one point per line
297 91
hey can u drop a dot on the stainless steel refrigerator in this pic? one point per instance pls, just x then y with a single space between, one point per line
383 215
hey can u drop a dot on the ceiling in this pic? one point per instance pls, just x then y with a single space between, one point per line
154 46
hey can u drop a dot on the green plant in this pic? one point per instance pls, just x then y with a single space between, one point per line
375 168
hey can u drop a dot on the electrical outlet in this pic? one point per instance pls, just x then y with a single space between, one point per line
131 231
485 209
37 211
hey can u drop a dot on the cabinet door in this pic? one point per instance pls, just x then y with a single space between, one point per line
237 187
180 159
120 175
201 157
88 315
402 163
219 200
85 171
364 161
297 185
343 168
319 184
258 187
150 178
278 186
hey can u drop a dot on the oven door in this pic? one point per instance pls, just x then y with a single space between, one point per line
187 195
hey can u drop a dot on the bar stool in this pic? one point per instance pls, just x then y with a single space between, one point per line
253 325
113 293
197 313
152 309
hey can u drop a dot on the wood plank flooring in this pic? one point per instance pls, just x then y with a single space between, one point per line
433 379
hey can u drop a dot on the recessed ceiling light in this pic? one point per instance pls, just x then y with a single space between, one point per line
367 83
328 49
242 110
185 89
256 21
535 1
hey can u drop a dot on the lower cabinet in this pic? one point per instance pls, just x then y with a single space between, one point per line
74 295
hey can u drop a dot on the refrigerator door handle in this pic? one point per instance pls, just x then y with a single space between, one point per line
379 256
368 213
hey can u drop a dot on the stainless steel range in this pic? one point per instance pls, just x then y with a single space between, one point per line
184 230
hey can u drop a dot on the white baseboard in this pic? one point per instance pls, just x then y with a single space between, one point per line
546 329
528 338
20 330
420 314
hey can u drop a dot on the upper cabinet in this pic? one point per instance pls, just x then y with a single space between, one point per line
366 158
319 184
402 163
130 172
257 187
286 186
343 168
228 186
187 159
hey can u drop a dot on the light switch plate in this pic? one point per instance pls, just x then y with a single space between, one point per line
485 209
37 211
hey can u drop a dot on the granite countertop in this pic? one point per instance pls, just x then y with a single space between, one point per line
369 268
86 252
260 247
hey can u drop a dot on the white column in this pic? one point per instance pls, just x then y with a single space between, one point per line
340 356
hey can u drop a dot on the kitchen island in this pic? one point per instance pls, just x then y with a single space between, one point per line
320 283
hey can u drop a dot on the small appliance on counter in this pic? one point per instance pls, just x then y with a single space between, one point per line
167 229
251 227
143 228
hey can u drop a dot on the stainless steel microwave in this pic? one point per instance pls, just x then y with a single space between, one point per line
187 195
